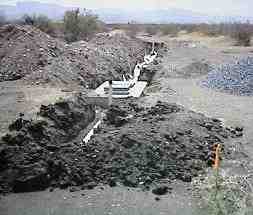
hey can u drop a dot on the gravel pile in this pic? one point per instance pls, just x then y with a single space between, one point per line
234 78
135 147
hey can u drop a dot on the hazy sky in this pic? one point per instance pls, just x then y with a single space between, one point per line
228 7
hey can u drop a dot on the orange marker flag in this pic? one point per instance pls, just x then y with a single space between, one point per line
217 157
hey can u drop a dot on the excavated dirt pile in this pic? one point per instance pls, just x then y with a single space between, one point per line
91 63
138 146
24 49
31 155
29 54
135 146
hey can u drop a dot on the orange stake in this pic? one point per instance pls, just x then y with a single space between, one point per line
217 157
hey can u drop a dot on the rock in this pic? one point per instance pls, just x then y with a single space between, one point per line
161 190
112 183
91 185
73 189
187 178
130 181
33 178
51 147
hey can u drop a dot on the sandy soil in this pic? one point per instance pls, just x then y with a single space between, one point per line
108 201
17 98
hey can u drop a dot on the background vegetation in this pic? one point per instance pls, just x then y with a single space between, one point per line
79 25
82 25
241 32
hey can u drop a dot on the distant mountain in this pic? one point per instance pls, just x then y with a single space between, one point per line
53 11
56 12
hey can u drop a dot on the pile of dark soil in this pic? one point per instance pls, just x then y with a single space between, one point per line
164 141
234 78
24 49
32 154
135 147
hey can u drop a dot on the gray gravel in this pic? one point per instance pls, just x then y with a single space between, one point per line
234 78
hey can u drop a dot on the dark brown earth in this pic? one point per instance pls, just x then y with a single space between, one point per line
135 147
31 153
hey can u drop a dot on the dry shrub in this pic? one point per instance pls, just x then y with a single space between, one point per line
79 25
41 22
170 29
152 29
242 34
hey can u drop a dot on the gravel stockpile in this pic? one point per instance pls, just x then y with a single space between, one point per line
24 49
234 78
135 147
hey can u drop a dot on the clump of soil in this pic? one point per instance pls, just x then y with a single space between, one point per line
135 147
161 190
24 49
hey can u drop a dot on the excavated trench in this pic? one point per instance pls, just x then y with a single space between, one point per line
134 146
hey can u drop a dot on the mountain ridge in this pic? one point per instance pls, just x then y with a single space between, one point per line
156 16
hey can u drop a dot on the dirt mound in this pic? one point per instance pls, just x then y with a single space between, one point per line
29 54
193 70
90 63
234 78
135 147
165 141
30 158
24 49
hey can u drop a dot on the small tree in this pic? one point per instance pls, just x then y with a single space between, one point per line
79 25
71 25
27 19
43 23
88 24
242 34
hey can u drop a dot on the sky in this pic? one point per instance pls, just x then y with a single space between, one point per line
211 7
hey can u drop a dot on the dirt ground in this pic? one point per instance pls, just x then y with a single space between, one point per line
170 84
18 98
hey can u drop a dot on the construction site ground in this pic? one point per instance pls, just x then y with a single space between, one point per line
172 84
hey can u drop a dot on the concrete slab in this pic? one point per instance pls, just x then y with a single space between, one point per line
134 91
